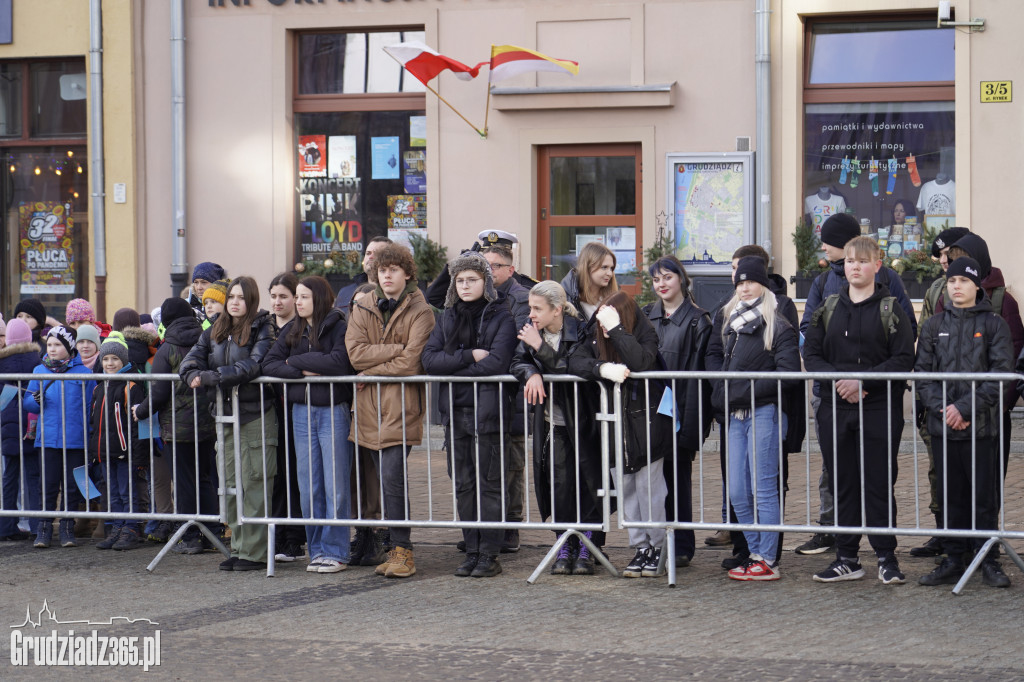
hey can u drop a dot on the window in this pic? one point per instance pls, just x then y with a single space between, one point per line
360 133
879 128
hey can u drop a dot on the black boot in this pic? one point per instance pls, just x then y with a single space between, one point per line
992 574
359 543
465 569
377 547
486 567
948 573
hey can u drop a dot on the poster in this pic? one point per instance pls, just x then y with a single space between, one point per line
341 156
384 158
584 239
625 261
417 131
312 156
47 254
415 166
330 217
620 238
401 236
407 211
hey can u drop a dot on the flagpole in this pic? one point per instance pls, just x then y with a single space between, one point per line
481 133
487 106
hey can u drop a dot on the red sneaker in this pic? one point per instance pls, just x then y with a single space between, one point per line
754 569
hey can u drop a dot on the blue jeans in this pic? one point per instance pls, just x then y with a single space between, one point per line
754 466
323 458
124 492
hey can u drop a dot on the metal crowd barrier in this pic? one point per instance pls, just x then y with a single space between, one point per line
439 509
912 498
177 464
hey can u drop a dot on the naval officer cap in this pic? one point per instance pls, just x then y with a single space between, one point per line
497 238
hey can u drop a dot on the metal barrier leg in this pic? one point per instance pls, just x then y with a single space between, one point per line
978 558
1013 555
171 542
214 540
668 556
549 557
598 554
271 544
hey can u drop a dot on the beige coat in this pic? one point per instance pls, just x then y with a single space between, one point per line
394 350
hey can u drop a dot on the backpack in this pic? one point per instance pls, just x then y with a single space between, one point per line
885 308
997 300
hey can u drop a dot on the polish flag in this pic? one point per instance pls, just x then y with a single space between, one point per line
425 64
508 61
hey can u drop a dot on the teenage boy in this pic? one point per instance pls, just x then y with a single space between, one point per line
861 329
963 418
387 332
836 232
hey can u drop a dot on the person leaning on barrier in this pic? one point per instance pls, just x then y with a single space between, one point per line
683 331
227 355
188 430
861 329
386 334
313 344
475 337
560 423
624 341
963 416
750 336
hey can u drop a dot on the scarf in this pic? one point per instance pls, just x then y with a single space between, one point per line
57 366
389 305
746 312
467 313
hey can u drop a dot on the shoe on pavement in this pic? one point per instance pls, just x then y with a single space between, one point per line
67 533
111 539
128 539
992 574
734 561
510 545
948 573
635 568
889 570
330 566
682 561
44 534
358 546
465 569
289 553
402 566
487 567
192 545
161 532
840 570
563 562
755 568
819 542
584 562
650 569
228 564
931 548
246 565
314 565
382 569
719 539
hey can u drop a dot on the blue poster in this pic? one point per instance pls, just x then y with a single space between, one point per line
386 164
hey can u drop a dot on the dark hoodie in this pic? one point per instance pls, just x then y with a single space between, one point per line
855 341
964 340
834 279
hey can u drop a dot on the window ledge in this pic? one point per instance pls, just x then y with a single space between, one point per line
591 97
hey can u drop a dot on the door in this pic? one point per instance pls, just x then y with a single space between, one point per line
588 193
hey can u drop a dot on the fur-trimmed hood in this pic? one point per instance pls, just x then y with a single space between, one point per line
141 335
19 348
471 260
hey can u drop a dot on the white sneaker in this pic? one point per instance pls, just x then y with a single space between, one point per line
331 566
314 565
286 558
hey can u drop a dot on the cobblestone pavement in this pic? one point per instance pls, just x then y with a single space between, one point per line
221 625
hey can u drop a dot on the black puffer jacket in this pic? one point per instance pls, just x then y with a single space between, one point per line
113 434
19 358
964 340
329 358
227 364
191 420
683 344
496 333
744 352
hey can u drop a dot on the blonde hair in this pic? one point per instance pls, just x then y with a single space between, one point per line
768 305
554 295
590 258
863 246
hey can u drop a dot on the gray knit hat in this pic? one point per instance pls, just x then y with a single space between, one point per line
471 260
112 347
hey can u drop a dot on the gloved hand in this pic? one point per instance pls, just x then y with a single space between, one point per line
608 317
38 397
613 371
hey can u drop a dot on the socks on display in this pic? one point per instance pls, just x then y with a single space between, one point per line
845 170
873 175
915 177
855 172
891 185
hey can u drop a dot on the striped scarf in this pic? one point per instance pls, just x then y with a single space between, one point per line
746 312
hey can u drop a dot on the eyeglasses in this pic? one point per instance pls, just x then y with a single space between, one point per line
498 266
467 282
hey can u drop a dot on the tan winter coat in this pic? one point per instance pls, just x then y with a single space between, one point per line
394 350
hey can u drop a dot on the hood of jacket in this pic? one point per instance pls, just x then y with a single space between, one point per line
19 348
184 331
777 284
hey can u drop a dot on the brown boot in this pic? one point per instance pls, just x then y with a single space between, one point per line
382 569
402 565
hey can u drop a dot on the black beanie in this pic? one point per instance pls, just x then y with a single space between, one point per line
977 249
965 267
750 269
839 229
173 308
947 238
34 308
125 317
66 335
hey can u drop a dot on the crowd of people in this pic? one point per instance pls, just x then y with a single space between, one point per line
338 450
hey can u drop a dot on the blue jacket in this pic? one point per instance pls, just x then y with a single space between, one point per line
20 358
67 427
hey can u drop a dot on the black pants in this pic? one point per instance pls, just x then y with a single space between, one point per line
843 462
679 502
955 488
569 487
475 465
284 502
185 479
391 468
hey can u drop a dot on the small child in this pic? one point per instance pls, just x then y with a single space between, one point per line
214 298
114 443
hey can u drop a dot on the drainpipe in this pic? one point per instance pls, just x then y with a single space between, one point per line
179 259
96 175
762 161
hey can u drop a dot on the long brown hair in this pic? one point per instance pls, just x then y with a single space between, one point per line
323 301
626 308
238 328
590 258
